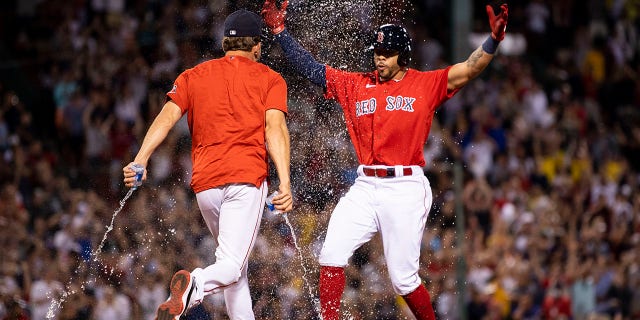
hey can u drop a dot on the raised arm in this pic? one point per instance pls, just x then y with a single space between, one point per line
300 58
461 73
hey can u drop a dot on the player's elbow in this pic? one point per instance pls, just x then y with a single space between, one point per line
461 80
459 75
464 78
458 83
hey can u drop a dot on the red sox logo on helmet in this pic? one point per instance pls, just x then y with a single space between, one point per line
380 36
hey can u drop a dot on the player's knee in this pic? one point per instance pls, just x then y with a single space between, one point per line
331 258
235 275
230 274
404 284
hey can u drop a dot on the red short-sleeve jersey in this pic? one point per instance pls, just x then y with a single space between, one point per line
225 100
389 121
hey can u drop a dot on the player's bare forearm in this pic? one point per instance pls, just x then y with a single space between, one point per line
162 124
278 143
478 61
461 73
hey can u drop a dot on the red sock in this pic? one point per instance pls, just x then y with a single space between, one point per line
332 281
419 302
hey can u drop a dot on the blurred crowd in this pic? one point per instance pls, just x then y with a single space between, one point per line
542 223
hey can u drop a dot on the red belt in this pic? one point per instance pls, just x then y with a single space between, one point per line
386 172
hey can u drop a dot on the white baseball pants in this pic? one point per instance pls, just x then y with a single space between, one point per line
233 213
397 207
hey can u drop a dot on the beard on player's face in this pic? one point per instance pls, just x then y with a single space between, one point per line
386 62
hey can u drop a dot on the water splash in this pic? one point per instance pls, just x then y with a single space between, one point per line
56 304
312 297
110 226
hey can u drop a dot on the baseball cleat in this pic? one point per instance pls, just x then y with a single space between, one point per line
182 290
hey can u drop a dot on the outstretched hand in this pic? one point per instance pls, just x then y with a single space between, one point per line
274 16
498 22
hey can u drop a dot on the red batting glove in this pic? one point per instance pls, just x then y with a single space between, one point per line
498 22
274 17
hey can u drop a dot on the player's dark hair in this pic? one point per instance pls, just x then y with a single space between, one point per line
239 43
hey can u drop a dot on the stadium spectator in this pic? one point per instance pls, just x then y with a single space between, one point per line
558 208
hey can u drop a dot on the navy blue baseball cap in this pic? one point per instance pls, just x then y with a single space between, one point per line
243 23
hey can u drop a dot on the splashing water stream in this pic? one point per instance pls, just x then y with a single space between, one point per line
56 304
110 226
315 300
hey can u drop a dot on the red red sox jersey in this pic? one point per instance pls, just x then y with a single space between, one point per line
389 121
225 100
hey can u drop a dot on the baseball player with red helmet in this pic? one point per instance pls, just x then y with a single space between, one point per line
236 110
388 113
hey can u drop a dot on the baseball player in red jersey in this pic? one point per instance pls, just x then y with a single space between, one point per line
388 113
235 106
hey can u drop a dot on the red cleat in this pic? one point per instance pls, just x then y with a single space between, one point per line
182 290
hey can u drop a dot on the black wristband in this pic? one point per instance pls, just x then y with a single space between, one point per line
490 45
